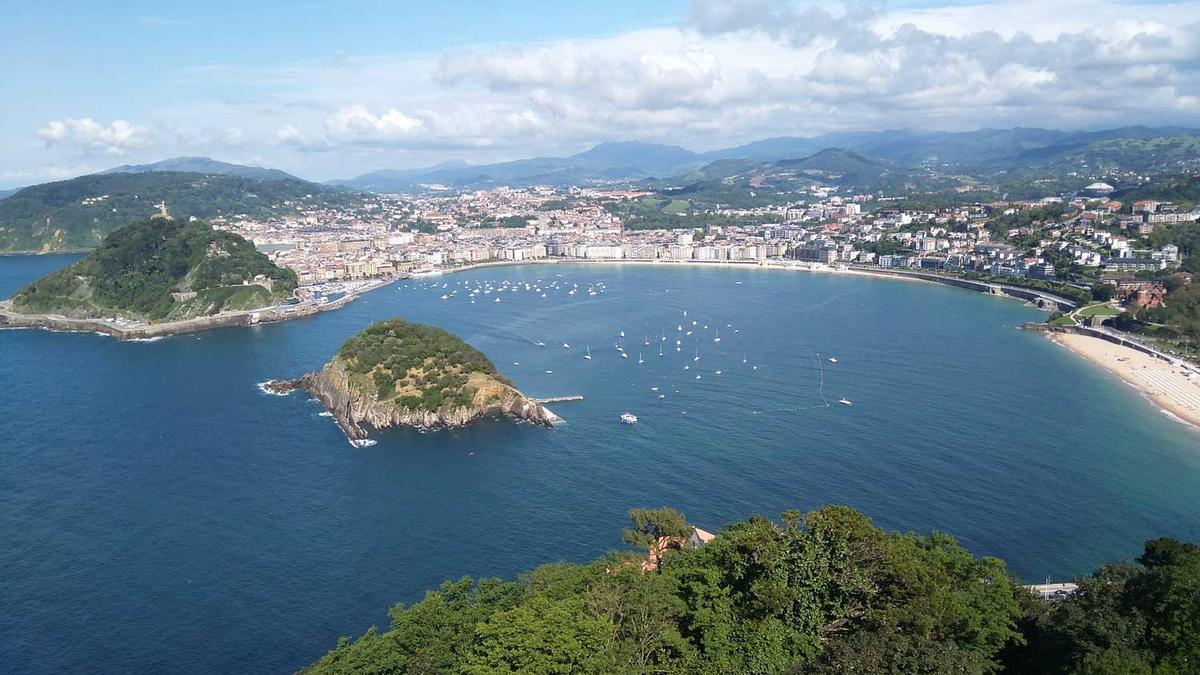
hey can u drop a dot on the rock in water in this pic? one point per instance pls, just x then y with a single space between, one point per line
396 373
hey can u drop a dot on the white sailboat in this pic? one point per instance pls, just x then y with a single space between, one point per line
640 360
697 356
660 350
718 337
588 355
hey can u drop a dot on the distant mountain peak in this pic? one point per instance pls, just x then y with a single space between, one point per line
204 165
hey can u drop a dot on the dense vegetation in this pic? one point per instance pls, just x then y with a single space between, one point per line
416 366
78 213
1183 190
826 592
138 267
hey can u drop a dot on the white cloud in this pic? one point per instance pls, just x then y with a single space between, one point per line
88 136
732 71
356 123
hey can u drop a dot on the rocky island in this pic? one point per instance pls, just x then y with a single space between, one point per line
155 277
397 373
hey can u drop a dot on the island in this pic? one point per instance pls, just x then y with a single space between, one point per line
397 373
152 272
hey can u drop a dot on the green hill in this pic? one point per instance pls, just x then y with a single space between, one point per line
416 366
160 269
1155 155
824 592
205 165
78 213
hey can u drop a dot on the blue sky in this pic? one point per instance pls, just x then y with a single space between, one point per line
335 89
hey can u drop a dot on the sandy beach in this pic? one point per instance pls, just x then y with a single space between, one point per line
1164 384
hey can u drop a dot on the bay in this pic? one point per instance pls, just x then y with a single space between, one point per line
159 512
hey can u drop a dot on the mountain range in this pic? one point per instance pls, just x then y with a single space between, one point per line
986 150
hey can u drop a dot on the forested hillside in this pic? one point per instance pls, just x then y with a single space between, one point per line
78 213
826 592
161 269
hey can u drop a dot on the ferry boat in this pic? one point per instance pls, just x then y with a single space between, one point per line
629 418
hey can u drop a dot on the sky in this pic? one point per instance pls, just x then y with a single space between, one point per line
336 89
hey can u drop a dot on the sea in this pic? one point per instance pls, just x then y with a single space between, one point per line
160 513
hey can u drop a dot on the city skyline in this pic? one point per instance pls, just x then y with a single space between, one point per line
333 93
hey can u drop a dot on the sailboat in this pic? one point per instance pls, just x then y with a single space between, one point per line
697 356
647 342
566 346
640 361
660 350
622 333
624 355
588 355
718 337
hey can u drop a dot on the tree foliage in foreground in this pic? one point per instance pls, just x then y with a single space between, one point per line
823 592
826 592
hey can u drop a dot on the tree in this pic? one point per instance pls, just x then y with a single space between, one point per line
652 526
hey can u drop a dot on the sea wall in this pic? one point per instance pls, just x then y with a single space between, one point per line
1040 298
1107 336
142 331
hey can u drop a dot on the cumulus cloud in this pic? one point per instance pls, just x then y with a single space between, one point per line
88 136
729 72
356 123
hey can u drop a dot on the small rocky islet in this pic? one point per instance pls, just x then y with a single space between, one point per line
398 373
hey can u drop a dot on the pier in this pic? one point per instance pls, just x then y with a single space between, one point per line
560 399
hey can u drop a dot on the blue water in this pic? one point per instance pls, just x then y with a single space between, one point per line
159 513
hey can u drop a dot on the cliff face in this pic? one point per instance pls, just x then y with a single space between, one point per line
355 409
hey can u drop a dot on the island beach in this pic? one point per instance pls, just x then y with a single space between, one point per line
1167 385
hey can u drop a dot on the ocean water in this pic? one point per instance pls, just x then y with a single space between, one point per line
159 513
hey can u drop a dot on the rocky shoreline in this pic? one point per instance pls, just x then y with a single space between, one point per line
355 411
